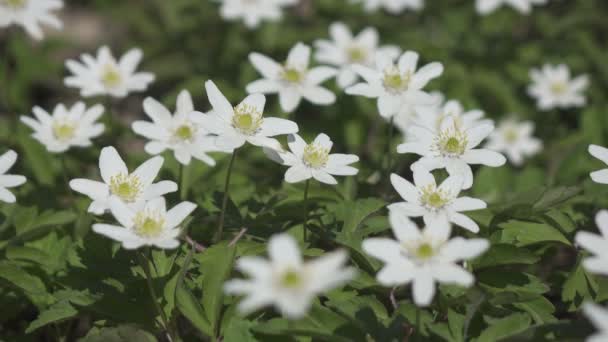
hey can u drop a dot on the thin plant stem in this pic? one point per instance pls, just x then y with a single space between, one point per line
144 265
306 209
66 178
389 150
182 189
220 226
418 333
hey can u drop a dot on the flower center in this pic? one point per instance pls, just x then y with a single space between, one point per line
424 251
185 132
559 87
434 198
247 119
451 142
127 187
356 54
315 156
291 279
14 4
111 77
63 130
292 75
148 224
394 81
511 134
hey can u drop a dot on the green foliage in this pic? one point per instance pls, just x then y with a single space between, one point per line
61 281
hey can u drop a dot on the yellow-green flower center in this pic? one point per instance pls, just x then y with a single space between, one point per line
127 187
14 4
315 156
64 131
291 279
356 54
148 224
559 87
395 81
184 132
292 75
511 134
425 251
434 198
247 119
451 142
110 76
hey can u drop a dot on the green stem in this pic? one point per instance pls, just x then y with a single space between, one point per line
418 333
144 265
182 189
66 178
389 150
220 226
306 208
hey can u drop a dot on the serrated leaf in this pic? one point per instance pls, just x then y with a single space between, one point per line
505 327
55 313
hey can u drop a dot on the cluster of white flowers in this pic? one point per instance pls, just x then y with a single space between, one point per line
442 133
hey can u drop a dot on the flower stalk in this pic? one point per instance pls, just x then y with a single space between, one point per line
220 226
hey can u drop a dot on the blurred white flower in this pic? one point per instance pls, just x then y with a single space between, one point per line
423 257
344 51
524 6
397 87
151 225
313 160
596 245
553 87
391 6
234 126
435 203
182 132
432 117
134 188
106 76
294 80
451 148
408 116
30 14
7 160
515 140
66 128
600 153
253 12
599 317
286 281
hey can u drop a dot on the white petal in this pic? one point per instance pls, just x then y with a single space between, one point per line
114 232
452 274
122 212
276 126
177 214
408 209
425 74
156 111
218 101
386 250
95 190
283 250
464 222
318 95
423 289
299 56
406 190
458 249
297 173
403 228
324 177
264 65
10 181
264 86
7 196
599 152
149 170
159 189
467 203
320 74
110 164
257 101
484 157
289 99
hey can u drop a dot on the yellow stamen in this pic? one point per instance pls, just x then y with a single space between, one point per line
127 187
315 156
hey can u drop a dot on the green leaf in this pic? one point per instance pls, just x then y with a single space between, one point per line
527 233
357 211
580 286
189 307
505 327
238 330
30 285
216 266
122 333
505 254
55 313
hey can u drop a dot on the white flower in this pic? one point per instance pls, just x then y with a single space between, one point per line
30 14
451 148
151 225
432 117
253 12
293 80
66 128
234 126
345 51
422 257
596 244
106 76
408 116
7 160
553 87
435 203
392 6
515 140
485 7
133 188
313 160
600 153
396 86
599 317
286 281
183 133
